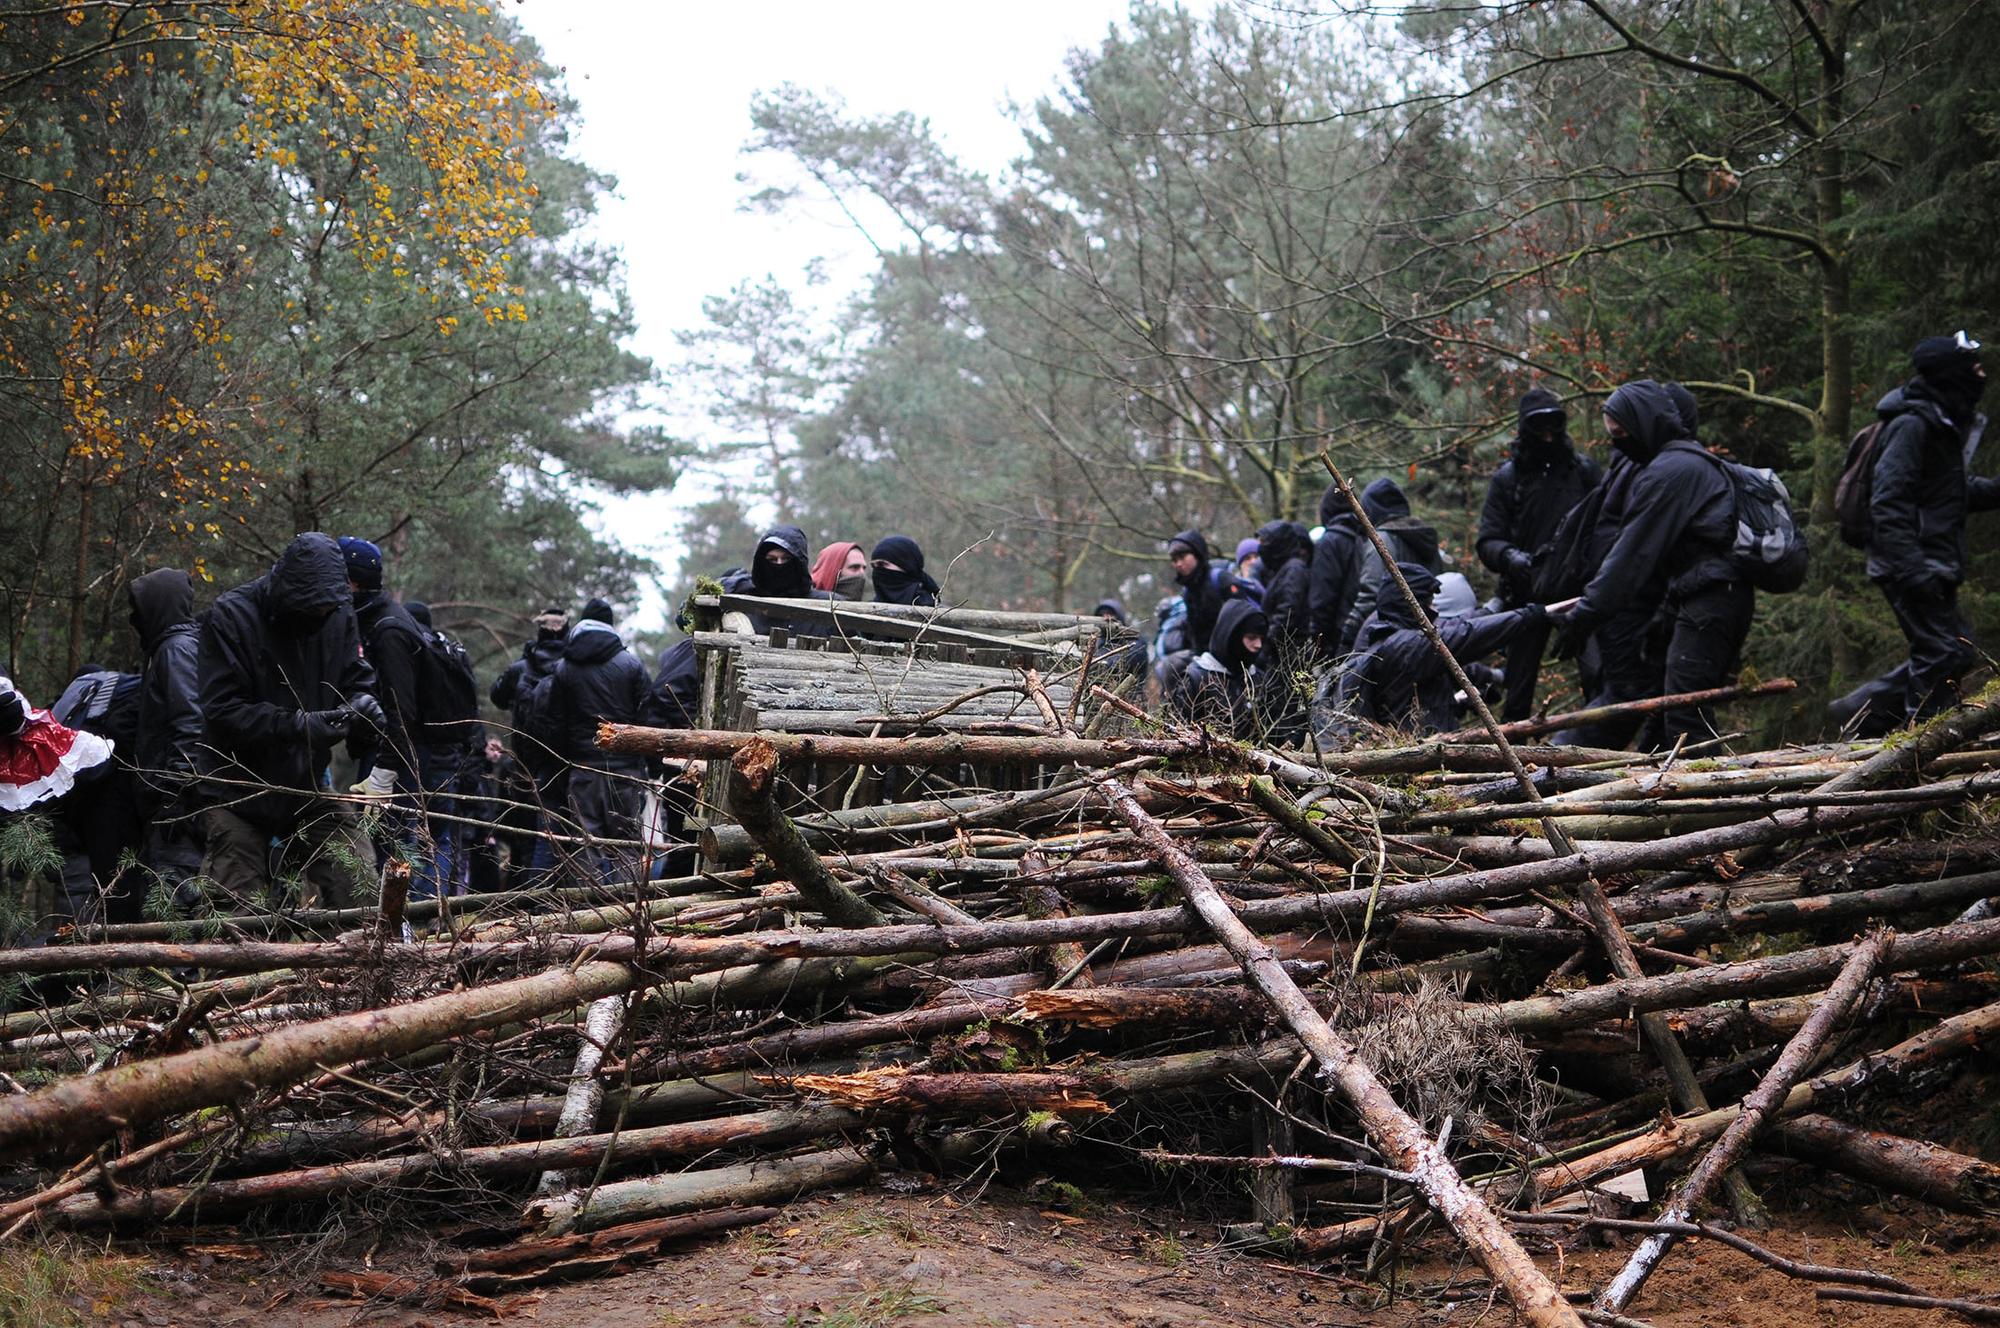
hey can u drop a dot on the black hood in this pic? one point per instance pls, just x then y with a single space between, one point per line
1383 500
906 581
1648 416
1117 608
792 581
1687 409
1333 509
1278 542
308 580
1390 605
1195 540
1939 407
543 653
592 642
161 599
1530 445
1238 616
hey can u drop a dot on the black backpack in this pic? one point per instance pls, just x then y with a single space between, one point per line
447 689
1563 566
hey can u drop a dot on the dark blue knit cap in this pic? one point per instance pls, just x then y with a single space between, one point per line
364 562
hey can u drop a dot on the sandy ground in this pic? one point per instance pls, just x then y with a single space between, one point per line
870 1259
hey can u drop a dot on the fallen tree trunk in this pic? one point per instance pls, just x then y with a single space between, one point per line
777 1180
1907 1166
1529 728
753 774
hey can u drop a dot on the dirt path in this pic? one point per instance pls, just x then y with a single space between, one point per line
873 1260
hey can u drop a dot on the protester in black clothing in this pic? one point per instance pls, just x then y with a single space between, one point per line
598 681
1128 660
1410 539
779 569
1219 686
899 573
169 726
1395 679
1526 499
1673 548
282 679
1336 570
516 684
99 826
1285 548
1919 498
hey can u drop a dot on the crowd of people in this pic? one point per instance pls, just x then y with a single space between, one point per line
206 768
1645 574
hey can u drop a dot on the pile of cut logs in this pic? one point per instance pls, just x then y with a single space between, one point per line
1476 984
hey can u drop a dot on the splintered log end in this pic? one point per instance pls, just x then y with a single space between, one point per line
756 762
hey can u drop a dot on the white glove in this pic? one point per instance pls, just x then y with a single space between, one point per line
380 786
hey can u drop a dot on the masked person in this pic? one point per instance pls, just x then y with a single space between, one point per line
1336 570
1526 500
1219 687
1409 539
169 727
843 569
1673 548
1285 551
779 569
600 681
1919 497
1395 678
282 679
899 573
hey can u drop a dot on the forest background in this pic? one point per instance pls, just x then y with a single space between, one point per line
269 267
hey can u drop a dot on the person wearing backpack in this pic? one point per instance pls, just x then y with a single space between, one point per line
449 740
1526 500
99 827
169 727
391 767
1675 547
600 680
1411 539
1919 495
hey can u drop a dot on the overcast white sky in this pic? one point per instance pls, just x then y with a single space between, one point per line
664 89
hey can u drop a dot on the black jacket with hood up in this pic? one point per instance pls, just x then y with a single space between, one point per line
597 680
1336 567
1678 518
1286 549
1218 688
170 684
1411 540
269 651
1529 495
792 581
1922 491
1395 679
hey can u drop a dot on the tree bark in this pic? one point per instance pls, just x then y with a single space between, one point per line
1908 1166
753 773
772 1180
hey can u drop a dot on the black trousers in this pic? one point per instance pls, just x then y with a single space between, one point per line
1941 652
1524 670
1704 650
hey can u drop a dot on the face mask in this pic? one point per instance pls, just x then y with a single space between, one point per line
851 585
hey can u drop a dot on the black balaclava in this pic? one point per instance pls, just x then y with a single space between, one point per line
1541 430
906 582
1648 416
160 599
307 584
794 579
1949 367
1278 542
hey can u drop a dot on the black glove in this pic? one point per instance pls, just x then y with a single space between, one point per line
1520 565
1532 615
369 711
323 728
1574 633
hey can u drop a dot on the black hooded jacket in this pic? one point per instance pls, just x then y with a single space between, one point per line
674 702
1409 539
1218 687
269 651
537 661
1529 495
394 645
1336 568
1678 518
1287 553
597 680
1199 591
1395 679
905 582
1922 492
792 581
170 683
